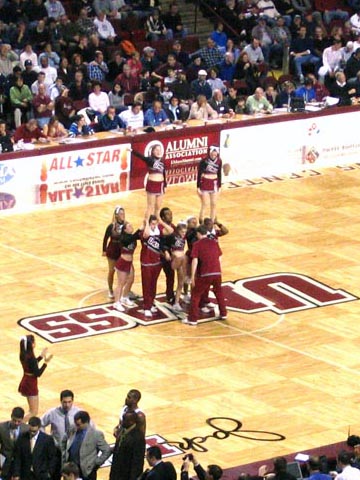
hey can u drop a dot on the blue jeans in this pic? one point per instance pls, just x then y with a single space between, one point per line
299 62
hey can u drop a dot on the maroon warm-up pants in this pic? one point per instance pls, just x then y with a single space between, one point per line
149 277
200 292
170 278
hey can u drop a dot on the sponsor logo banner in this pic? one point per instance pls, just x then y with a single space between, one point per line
280 293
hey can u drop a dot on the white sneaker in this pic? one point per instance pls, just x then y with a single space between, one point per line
147 313
119 307
177 307
186 321
127 302
186 298
210 305
205 310
154 309
111 295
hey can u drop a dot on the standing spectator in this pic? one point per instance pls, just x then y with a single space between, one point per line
97 69
10 431
173 23
210 54
20 100
43 106
35 454
84 446
54 9
129 450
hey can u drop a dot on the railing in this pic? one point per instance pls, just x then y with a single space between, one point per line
215 14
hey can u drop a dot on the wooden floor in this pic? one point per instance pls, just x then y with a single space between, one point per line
295 374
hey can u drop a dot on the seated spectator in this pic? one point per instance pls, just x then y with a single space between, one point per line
255 53
174 111
29 75
315 473
301 7
105 6
78 89
340 89
333 12
264 34
35 11
53 57
64 108
232 48
268 10
39 81
145 80
173 23
295 26
42 106
180 56
29 132
109 121
69 33
40 36
56 89
115 66
104 28
50 72
219 36
135 63
218 103
97 69
355 22
6 143
306 91
7 57
320 90
133 118
352 66
156 116
165 95
257 103
65 71
171 62
286 93
28 54
227 67
155 27
182 90
171 77
346 53
98 99
201 110
54 130
287 10
279 471
79 128
320 41
331 59
241 17
301 51
153 93
116 98
337 33
200 85
85 24
54 9
82 53
214 81
271 94
231 98
194 67
20 100
149 61
240 107
344 460
213 472
210 54
129 83
245 70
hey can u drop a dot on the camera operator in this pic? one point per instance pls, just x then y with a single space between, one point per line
213 472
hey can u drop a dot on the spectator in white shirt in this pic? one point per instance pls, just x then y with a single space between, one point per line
50 72
28 54
104 28
332 57
355 22
55 9
348 472
98 100
133 117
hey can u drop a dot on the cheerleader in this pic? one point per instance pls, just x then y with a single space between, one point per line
124 267
209 182
178 261
28 386
112 246
191 238
156 180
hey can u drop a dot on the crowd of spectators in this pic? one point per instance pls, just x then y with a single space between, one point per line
62 61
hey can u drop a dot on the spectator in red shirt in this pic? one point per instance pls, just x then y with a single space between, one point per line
129 83
29 132
43 106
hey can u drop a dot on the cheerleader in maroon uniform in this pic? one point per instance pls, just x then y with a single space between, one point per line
209 182
112 246
156 180
150 260
29 383
124 267
178 260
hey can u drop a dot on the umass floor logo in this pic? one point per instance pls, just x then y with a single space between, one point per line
280 293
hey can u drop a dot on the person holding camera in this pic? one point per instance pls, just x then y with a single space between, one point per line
213 472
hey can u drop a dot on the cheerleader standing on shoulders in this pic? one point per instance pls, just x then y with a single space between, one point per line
29 383
156 180
178 261
209 182
112 245
124 267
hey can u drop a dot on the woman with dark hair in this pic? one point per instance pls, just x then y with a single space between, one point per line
28 386
245 71
155 179
54 130
79 127
209 182
124 267
116 98
65 108
112 245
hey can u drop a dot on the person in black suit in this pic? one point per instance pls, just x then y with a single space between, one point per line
160 470
129 451
35 455
9 433
175 112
